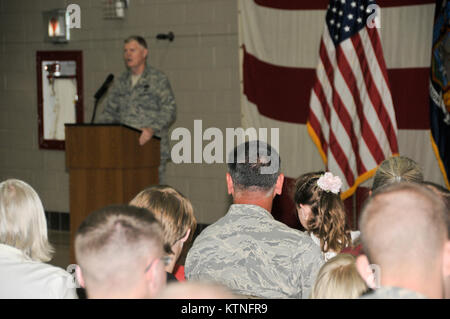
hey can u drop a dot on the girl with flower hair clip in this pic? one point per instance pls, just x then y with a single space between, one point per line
322 213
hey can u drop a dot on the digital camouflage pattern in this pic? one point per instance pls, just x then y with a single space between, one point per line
150 103
250 252
392 293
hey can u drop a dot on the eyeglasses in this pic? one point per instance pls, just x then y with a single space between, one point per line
165 259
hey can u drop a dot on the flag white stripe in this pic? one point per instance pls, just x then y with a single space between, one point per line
318 112
369 112
347 99
334 167
379 80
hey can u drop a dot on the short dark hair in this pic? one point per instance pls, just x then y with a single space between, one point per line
131 224
138 39
254 165
114 243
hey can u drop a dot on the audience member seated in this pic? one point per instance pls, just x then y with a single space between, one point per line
397 169
322 212
247 250
119 250
176 216
444 193
339 279
24 248
404 235
195 290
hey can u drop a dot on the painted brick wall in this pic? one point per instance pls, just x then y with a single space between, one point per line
202 65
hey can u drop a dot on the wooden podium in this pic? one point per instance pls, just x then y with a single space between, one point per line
106 166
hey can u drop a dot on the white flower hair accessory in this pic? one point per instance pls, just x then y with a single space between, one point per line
330 183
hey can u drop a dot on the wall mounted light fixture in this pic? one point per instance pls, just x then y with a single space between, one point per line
56 26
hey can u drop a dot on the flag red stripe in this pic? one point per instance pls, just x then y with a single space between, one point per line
375 96
378 51
340 108
322 4
341 159
334 145
366 130
318 129
318 89
283 93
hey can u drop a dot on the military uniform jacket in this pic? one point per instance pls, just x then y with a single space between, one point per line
251 253
392 293
150 103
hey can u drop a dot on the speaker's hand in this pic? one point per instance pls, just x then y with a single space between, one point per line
146 135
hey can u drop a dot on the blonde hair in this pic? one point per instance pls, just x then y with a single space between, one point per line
172 209
328 220
339 279
22 220
397 169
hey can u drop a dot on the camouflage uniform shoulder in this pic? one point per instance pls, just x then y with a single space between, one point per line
392 293
269 228
295 234
154 72
124 76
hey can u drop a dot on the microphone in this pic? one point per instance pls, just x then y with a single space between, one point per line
101 91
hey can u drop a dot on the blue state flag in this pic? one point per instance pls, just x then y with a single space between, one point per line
440 88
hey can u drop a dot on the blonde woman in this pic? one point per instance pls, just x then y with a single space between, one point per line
322 213
339 279
176 215
397 169
24 247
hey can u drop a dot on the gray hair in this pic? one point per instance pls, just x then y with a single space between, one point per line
22 220
254 165
138 39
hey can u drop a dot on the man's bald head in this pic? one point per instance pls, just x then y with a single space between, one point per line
403 228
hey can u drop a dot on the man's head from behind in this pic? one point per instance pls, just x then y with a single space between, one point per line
118 250
403 231
254 167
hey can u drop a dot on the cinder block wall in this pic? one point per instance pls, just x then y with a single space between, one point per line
202 65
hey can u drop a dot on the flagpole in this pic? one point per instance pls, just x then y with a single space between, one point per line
354 209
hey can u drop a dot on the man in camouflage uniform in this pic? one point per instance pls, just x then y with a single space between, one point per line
404 233
142 98
247 250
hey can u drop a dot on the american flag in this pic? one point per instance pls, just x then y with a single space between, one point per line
351 117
